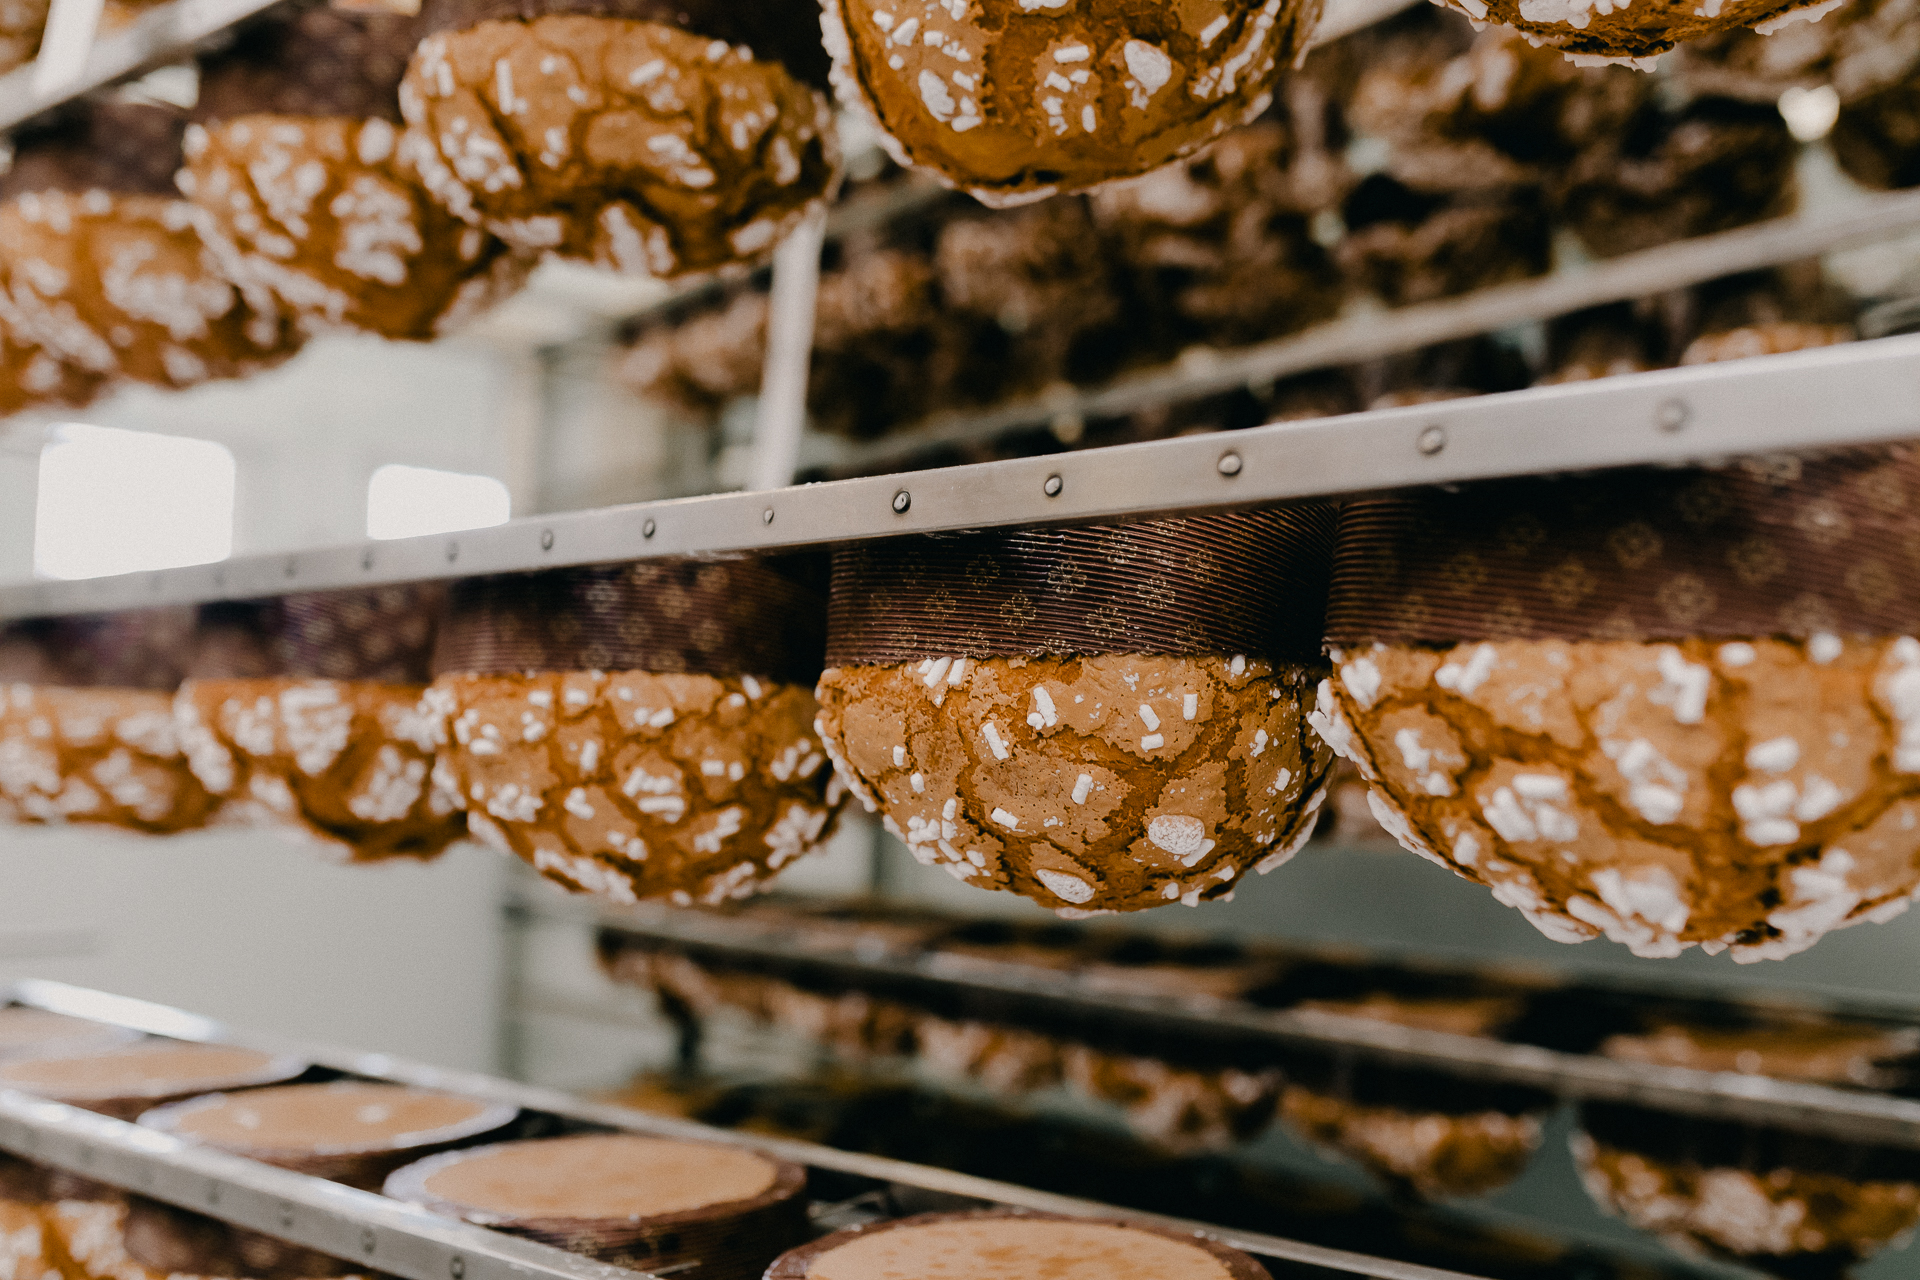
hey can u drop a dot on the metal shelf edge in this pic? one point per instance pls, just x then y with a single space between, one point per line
1859 393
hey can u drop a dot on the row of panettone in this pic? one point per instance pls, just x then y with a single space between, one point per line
573 717
704 1210
339 170
1748 1192
1676 707
1485 148
388 173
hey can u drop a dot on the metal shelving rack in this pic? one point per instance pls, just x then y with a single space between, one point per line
417 1245
1859 393
1044 998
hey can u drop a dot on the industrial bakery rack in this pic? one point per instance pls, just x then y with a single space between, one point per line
1044 998
406 1241
1864 392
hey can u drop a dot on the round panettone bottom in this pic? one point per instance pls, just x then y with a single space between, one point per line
1115 782
633 785
526 1189
1011 1244
1729 794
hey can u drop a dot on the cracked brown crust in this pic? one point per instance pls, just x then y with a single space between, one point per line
346 763
1116 809
633 785
976 94
634 145
1750 795
1594 31
99 756
319 213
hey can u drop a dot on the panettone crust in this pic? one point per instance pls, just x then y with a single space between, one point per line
1436 1154
633 785
125 286
1017 100
108 756
633 145
319 212
347 763
1104 783
1750 795
1598 31
1743 1213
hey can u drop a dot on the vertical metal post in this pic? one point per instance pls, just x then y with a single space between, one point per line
65 45
783 382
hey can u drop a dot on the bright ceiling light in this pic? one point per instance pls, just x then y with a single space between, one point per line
112 501
410 502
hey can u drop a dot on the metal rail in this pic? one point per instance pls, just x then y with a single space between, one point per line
1859 393
166 34
1356 339
1849 1114
418 1245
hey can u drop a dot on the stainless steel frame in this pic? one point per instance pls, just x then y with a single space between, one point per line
1852 1115
418 1245
1853 394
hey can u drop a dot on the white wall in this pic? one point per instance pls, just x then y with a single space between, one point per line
403 958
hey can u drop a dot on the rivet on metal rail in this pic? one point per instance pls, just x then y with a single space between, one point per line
1433 440
457 1268
213 1193
901 502
766 517
1053 486
1672 415
1230 464
286 1217
367 1241
646 530
546 539
366 560
453 552
292 567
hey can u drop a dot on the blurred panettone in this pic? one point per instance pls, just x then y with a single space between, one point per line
307 714
1666 175
1409 245
87 732
295 159
107 271
1041 274
649 138
1221 250
21 23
